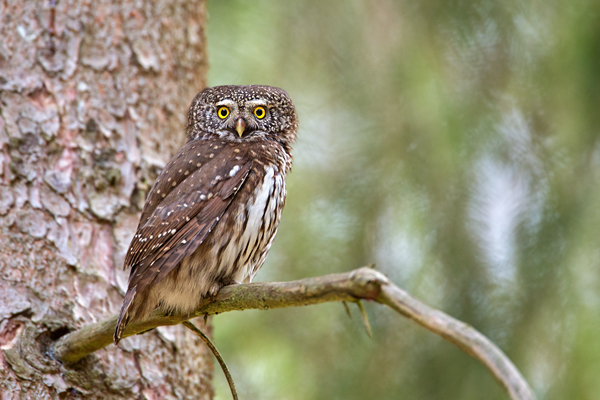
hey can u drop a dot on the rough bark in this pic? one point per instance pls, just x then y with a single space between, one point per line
93 98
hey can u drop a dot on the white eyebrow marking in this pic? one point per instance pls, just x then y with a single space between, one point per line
226 102
257 102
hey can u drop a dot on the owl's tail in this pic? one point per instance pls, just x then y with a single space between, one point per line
123 320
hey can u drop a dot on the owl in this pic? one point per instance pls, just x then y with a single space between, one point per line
212 214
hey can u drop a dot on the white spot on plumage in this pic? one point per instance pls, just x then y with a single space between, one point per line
234 170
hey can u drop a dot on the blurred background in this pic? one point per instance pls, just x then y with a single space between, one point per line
456 145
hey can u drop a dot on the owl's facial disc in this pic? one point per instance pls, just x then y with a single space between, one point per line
242 117
267 113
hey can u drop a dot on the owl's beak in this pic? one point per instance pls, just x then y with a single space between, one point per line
240 126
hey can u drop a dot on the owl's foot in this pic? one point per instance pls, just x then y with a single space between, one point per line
214 289
231 282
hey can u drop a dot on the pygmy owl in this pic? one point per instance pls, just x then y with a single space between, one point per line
212 214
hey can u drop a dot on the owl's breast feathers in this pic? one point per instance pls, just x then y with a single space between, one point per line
189 198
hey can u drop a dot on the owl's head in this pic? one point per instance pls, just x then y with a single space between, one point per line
243 113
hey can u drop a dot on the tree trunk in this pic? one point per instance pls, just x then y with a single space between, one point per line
93 101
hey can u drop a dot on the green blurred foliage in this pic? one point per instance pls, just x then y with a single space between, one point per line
456 145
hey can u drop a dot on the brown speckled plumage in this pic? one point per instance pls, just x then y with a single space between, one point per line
212 214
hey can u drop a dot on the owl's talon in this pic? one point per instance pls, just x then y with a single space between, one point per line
213 291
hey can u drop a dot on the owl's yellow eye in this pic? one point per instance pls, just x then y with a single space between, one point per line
223 112
260 112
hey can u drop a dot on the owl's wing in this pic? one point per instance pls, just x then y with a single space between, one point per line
187 213
195 154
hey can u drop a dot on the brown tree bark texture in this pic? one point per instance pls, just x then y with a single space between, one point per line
93 100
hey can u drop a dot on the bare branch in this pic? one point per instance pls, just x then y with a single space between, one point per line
364 283
217 355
